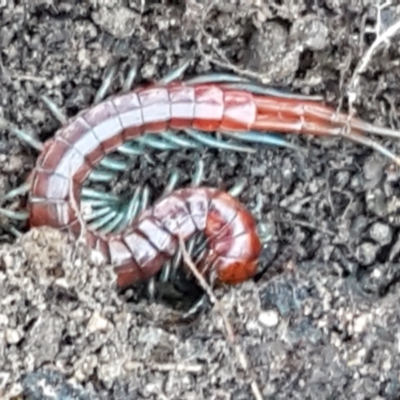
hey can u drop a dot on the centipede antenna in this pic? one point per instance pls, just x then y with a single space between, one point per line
106 84
130 149
28 138
375 130
20 190
89 193
18 215
151 140
215 143
216 77
97 213
99 223
267 91
270 139
132 73
57 112
368 142
101 176
176 73
172 182
179 141
114 165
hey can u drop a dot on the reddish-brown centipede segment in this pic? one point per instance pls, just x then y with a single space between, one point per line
137 253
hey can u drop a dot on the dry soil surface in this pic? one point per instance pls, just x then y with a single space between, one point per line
322 322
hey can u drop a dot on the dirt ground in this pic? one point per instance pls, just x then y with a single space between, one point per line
323 321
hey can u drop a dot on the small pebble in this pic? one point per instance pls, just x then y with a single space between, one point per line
366 253
97 323
360 323
381 233
311 32
269 318
13 336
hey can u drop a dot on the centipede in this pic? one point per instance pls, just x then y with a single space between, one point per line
171 114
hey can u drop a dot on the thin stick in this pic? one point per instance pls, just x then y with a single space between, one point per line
366 58
230 337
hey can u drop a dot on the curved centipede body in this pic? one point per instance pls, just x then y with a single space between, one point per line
79 146
224 104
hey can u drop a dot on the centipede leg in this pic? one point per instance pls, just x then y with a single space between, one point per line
253 137
269 139
28 138
199 306
180 141
113 164
216 77
55 110
106 84
211 141
176 73
257 88
130 149
18 215
101 176
22 216
155 142
113 224
101 223
240 83
98 213
164 141
132 73
128 211
92 194
20 190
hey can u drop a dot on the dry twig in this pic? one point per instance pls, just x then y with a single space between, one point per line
230 337
381 38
